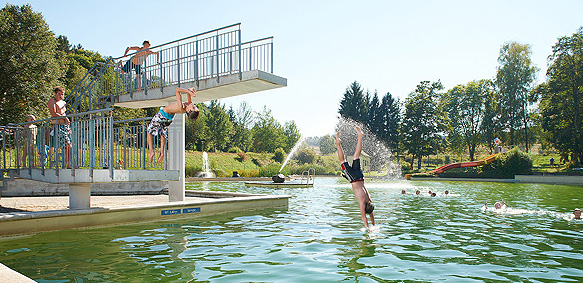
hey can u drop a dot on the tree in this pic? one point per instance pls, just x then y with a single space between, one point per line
196 131
388 130
465 108
29 68
292 135
354 104
514 79
491 126
268 134
422 122
220 126
327 144
562 95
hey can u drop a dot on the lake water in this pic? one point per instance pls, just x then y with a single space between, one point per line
319 238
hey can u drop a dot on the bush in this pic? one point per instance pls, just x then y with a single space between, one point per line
514 162
235 150
269 170
191 170
279 155
305 156
241 156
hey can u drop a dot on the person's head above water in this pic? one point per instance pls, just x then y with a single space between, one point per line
368 207
403 192
497 205
577 213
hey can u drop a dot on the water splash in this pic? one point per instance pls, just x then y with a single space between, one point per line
381 157
206 169
292 152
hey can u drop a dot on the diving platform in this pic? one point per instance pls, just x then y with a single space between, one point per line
207 89
217 63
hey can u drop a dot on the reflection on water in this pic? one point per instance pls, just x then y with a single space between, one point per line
320 238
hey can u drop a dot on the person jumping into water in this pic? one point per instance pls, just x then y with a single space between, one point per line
354 174
162 120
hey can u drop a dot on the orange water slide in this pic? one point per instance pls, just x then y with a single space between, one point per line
444 168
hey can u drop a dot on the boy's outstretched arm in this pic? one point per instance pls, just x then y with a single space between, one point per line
358 149
363 215
339 150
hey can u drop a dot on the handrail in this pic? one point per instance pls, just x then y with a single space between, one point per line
188 37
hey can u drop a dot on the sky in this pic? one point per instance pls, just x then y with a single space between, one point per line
321 47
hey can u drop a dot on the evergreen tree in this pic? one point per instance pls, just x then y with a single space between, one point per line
354 104
390 115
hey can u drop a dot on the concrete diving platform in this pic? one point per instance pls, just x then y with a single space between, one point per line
207 89
115 210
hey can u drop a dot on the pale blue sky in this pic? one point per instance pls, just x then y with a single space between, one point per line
323 46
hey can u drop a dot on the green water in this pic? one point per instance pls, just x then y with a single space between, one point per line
319 238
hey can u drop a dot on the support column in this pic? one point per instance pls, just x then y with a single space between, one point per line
79 195
176 145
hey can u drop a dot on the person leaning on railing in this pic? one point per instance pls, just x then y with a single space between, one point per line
135 63
62 128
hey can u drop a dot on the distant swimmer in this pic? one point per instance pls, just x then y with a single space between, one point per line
446 192
403 192
417 192
577 214
354 174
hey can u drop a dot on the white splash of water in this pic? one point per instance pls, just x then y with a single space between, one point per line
206 169
292 152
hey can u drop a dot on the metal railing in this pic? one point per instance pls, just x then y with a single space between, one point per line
96 142
208 55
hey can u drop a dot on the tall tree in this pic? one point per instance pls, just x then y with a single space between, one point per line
514 79
562 95
292 135
375 118
268 134
491 127
422 121
29 68
218 121
327 144
465 108
390 115
354 103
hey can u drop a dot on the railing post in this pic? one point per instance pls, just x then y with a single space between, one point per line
240 54
110 143
218 58
91 145
125 143
16 146
178 62
144 137
196 75
271 52
161 71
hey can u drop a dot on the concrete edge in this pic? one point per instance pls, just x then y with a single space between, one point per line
21 223
9 275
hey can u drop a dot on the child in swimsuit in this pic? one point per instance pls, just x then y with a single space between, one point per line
162 120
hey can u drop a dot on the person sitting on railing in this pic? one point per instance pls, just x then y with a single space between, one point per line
138 59
63 129
162 120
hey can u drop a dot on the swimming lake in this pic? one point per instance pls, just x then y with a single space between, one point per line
319 237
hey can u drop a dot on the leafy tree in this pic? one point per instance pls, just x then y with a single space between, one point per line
514 80
29 68
268 134
196 131
279 155
562 95
465 108
327 144
305 156
422 122
220 127
242 122
354 104
292 135
491 125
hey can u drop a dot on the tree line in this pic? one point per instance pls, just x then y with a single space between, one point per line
509 107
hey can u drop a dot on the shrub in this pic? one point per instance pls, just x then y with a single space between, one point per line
305 156
191 170
241 156
279 155
514 162
235 150
269 170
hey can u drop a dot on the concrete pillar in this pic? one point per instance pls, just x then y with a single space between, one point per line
79 195
176 145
